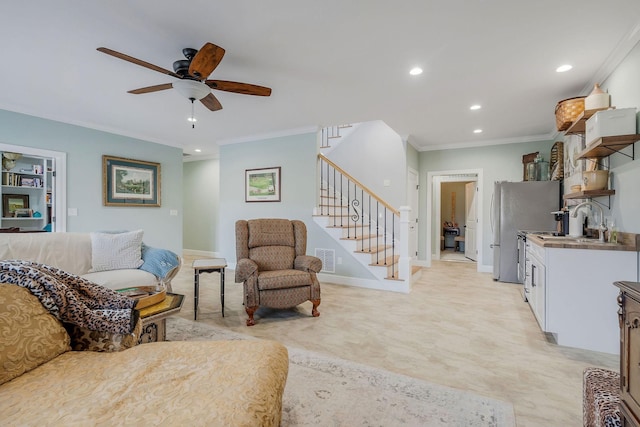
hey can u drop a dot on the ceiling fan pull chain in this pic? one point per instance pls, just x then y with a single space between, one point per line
193 118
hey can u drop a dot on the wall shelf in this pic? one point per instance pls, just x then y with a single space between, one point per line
579 126
587 194
608 145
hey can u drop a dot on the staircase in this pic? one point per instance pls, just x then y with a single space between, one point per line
331 135
364 225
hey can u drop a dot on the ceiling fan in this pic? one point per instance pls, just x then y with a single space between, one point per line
193 74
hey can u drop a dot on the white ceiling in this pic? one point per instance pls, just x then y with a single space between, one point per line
328 62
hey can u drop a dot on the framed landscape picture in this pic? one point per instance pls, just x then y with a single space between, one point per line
262 185
128 182
11 203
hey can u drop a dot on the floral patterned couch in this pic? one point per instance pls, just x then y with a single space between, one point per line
43 382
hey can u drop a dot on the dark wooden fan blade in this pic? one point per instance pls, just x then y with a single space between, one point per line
205 61
148 89
244 88
137 61
211 102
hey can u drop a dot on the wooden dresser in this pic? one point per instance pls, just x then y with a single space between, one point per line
629 318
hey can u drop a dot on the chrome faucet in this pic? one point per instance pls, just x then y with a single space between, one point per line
603 226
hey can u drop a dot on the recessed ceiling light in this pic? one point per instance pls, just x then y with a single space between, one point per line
477 131
415 71
563 68
197 150
475 107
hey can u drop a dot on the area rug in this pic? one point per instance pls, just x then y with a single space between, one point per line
327 391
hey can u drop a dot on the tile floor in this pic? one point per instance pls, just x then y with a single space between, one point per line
457 327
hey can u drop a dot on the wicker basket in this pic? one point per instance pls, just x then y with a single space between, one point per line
567 111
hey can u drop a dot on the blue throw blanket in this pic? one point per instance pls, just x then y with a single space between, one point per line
158 261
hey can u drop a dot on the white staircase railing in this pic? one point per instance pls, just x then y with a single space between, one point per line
364 218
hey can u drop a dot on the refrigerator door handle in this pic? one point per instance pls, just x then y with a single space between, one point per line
491 211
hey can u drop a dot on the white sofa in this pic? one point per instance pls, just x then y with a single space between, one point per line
114 260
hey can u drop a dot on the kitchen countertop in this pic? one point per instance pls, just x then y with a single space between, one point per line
626 242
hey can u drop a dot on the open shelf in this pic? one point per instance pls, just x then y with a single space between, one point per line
587 194
579 126
608 145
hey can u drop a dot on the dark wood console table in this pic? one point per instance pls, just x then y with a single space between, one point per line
629 318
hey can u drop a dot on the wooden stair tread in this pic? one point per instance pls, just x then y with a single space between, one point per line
372 250
387 262
362 237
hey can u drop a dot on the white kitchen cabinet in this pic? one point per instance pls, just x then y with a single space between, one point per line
574 298
535 282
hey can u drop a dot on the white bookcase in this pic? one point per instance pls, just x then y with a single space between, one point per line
27 195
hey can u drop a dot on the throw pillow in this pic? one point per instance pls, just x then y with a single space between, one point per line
116 251
31 336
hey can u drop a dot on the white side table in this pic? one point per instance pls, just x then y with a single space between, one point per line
209 265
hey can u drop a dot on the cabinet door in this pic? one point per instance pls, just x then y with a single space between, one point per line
537 299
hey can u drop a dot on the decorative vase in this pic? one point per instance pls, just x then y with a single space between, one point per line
597 99
9 160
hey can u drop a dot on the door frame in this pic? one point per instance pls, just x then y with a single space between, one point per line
415 209
60 190
433 191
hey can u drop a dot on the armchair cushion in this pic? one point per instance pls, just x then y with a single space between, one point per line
273 257
271 232
308 263
281 279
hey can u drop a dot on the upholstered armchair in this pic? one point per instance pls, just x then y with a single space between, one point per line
273 266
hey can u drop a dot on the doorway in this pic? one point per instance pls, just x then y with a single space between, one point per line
469 223
457 198
56 173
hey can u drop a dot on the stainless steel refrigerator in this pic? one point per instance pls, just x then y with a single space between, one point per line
519 206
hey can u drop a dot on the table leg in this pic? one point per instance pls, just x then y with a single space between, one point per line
196 282
222 289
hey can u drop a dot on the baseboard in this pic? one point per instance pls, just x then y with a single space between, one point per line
483 268
392 285
198 253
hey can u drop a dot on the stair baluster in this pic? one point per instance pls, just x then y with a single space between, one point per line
381 243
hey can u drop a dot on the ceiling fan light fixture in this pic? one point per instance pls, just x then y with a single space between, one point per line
191 89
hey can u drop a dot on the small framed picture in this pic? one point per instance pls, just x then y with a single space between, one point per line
12 202
26 182
23 213
262 185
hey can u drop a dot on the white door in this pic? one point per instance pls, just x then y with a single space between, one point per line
412 194
471 221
